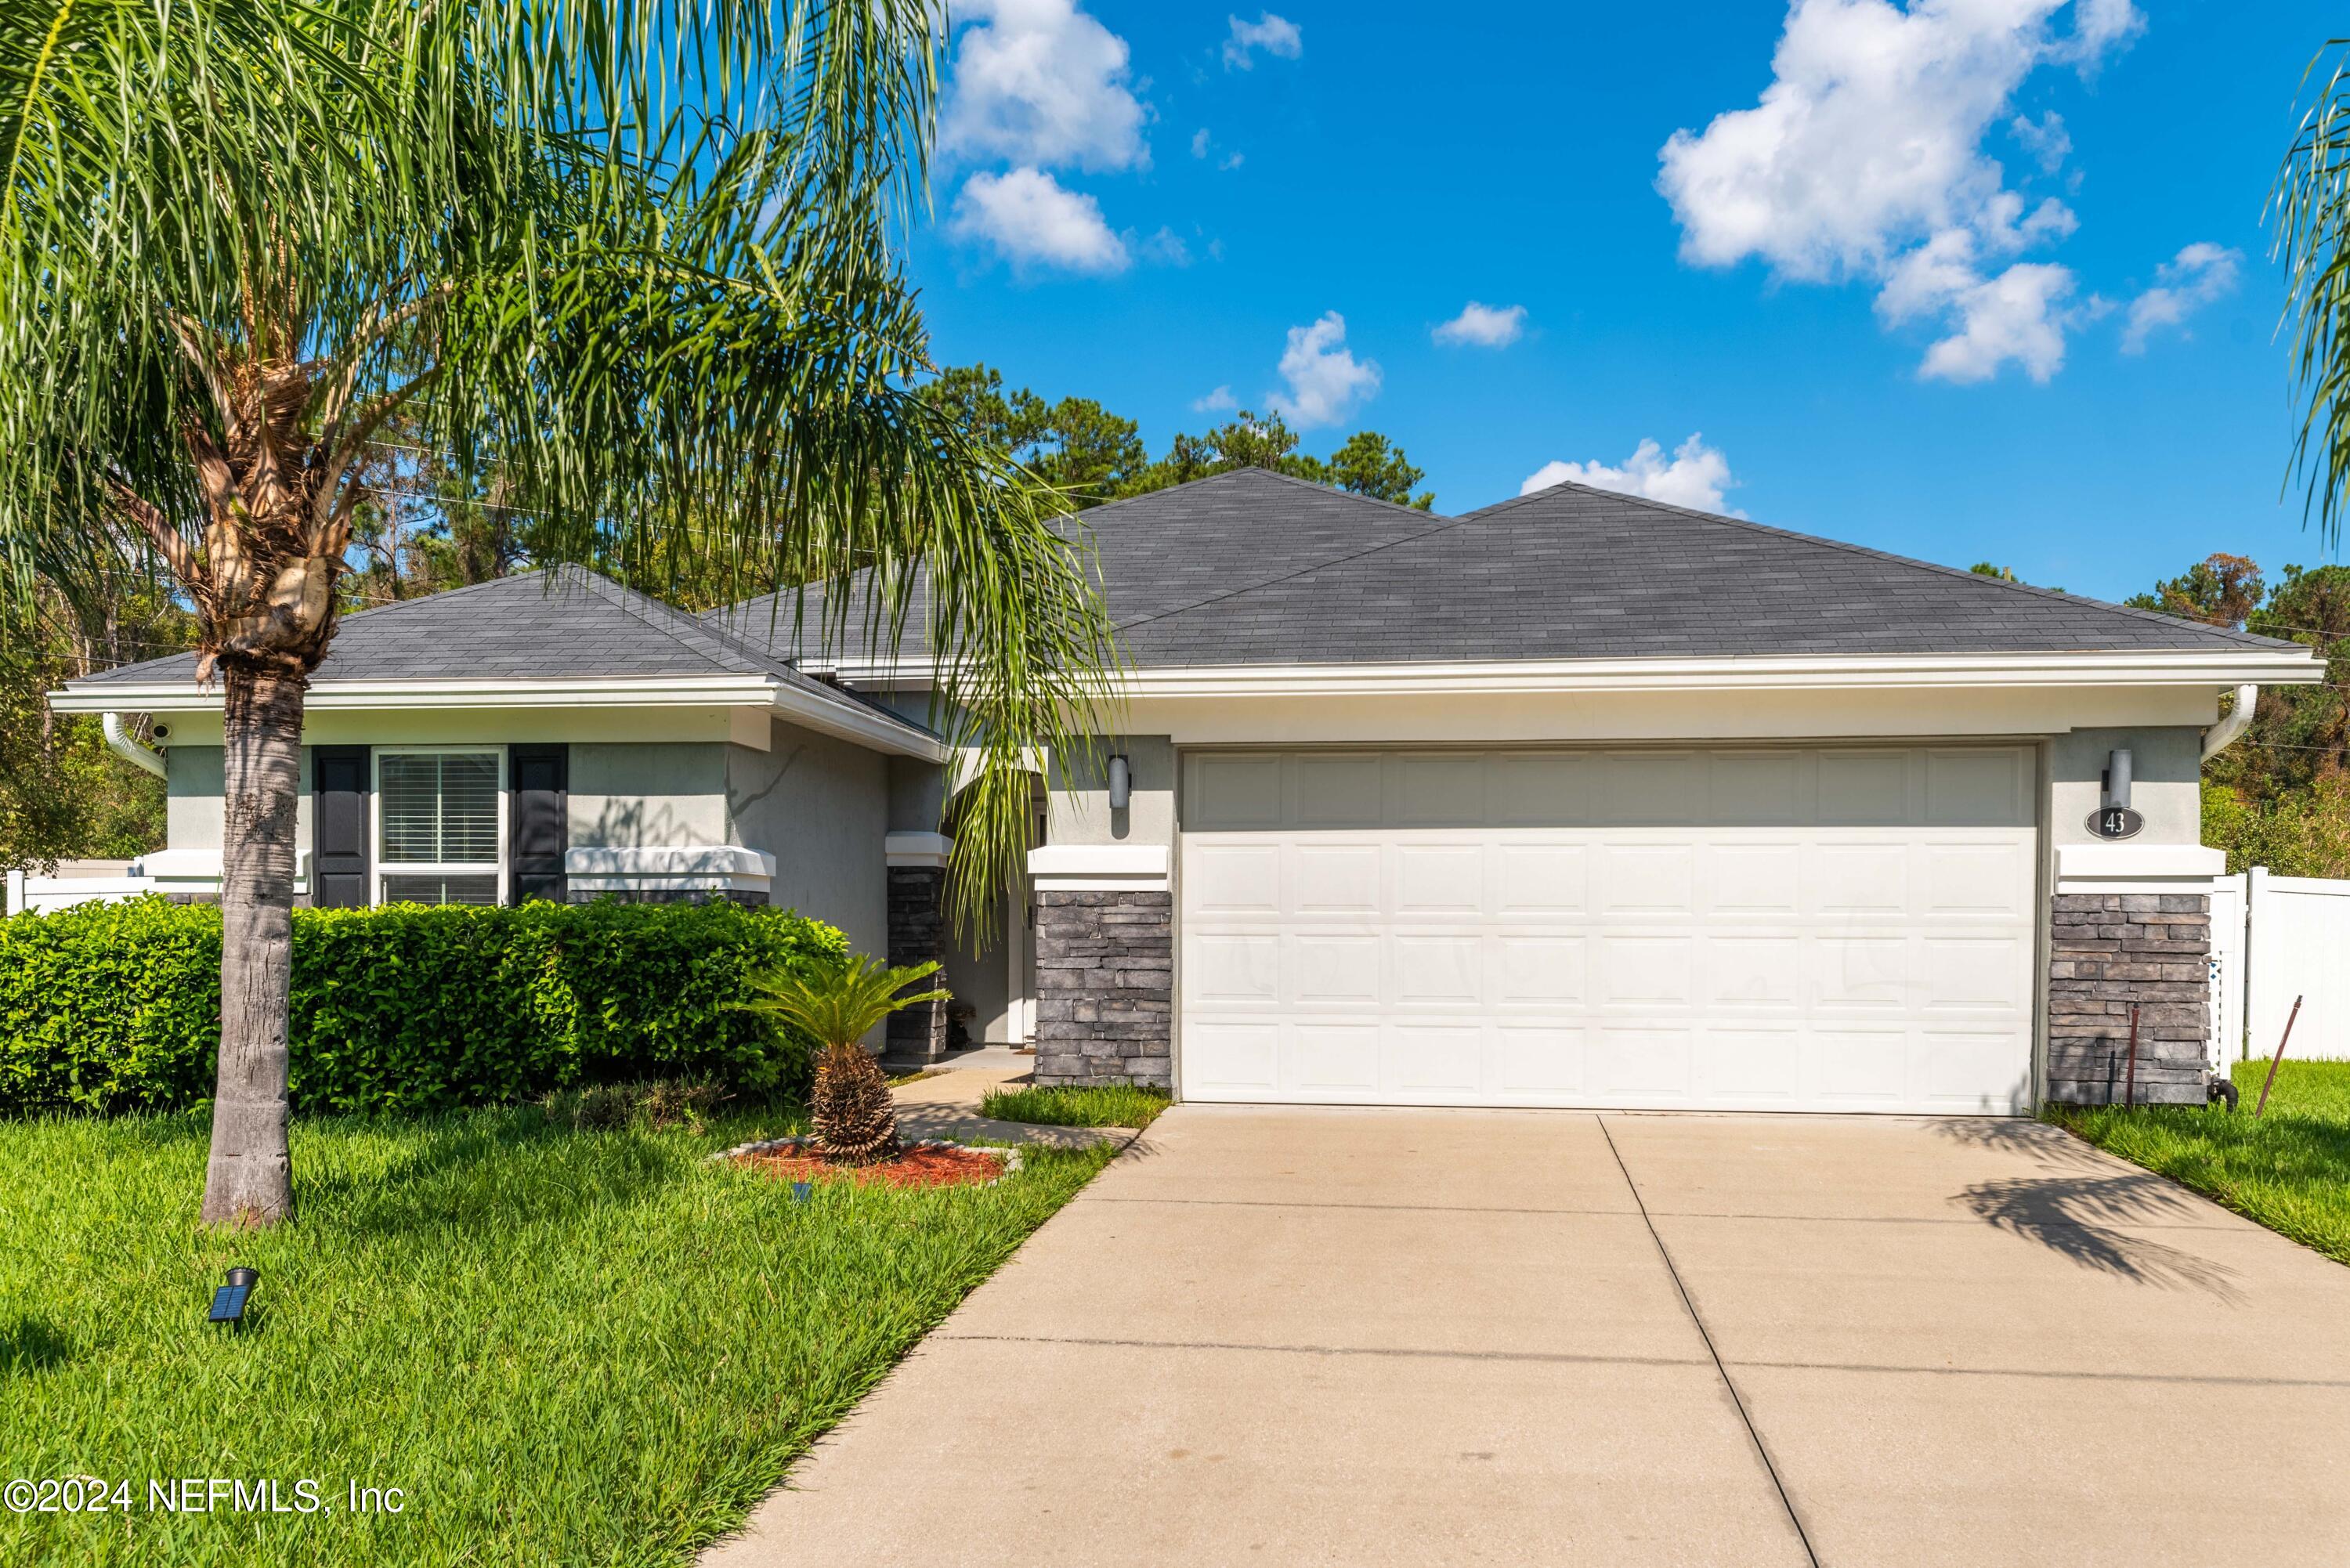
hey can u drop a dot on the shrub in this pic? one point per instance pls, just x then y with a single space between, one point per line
112 1007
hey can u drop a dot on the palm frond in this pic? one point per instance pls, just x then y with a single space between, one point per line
839 1004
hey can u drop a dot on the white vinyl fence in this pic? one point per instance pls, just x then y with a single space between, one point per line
2273 938
77 882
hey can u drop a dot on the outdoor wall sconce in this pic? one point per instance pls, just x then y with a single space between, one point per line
2114 818
228 1302
1121 783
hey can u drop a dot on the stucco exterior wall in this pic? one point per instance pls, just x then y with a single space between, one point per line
640 795
2166 769
193 793
985 979
1077 797
821 807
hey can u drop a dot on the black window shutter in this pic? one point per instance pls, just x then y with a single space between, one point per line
339 819
541 780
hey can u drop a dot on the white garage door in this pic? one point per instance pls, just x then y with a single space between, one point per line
1822 929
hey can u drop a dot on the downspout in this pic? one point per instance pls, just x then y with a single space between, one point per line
128 746
2222 735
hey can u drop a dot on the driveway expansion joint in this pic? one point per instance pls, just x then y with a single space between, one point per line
1761 1451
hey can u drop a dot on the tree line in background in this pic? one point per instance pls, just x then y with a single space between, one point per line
421 525
2279 796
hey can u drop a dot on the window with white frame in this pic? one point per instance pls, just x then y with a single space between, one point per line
440 820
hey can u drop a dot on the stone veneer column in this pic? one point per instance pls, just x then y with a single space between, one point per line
2106 951
918 934
1105 965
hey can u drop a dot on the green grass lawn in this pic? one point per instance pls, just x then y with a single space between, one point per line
563 1347
1094 1105
2289 1170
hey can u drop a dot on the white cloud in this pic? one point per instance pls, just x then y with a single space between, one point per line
2019 315
1200 142
2046 139
1696 477
1485 326
2193 278
1167 248
1039 82
1325 378
1215 401
1866 153
1274 35
1031 220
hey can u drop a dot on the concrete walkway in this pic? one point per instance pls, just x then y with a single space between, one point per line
1302 1336
947 1106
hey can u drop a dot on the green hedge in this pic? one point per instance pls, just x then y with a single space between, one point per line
116 1007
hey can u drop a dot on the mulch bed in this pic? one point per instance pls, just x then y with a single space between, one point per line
918 1164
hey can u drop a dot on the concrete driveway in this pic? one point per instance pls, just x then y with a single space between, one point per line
1294 1337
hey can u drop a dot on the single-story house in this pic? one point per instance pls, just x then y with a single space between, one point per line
1576 800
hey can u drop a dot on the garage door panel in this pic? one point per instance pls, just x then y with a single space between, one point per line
1862 789
1742 881
1758 788
1748 973
1541 969
1331 968
1322 1057
1980 880
1974 973
1829 928
1339 792
1438 970
1438 791
1860 973
1749 1064
1537 1061
1234 880
1644 972
1234 791
1540 789
1337 879
1860 881
1432 1060
1440 880
1540 878
1647 880
1225 1060
1857 1069
1977 787
1641 1064
1638 787
1237 968
1970 1072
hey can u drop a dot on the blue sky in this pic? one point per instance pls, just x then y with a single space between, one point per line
2042 333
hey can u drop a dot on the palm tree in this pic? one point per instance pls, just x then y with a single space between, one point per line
637 259
838 1006
2310 205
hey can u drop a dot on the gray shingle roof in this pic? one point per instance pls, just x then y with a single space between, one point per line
1254 568
566 624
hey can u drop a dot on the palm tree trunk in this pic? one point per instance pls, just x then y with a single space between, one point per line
250 1178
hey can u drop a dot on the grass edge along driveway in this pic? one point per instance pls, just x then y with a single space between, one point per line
561 1346
2289 1171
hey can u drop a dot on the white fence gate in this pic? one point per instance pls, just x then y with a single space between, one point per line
2274 938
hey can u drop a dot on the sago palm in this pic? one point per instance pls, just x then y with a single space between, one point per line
636 258
837 1005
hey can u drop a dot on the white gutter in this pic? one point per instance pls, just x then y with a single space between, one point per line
1740 673
2222 735
125 746
846 718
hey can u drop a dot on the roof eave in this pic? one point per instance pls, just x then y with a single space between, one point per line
2217 666
844 719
